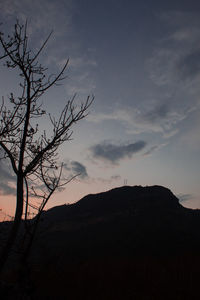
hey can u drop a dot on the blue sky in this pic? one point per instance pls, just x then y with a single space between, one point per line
141 60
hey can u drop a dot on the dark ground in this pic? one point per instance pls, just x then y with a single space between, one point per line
128 243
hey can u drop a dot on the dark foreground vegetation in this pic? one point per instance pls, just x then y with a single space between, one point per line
127 243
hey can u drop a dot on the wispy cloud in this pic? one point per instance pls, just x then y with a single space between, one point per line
43 17
174 72
184 197
190 137
188 66
157 118
184 25
80 80
80 84
176 59
154 148
113 153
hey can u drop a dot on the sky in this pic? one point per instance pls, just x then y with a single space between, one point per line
141 61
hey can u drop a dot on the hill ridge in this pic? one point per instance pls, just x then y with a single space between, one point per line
119 199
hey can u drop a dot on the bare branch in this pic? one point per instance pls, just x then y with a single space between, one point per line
40 50
61 130
33 155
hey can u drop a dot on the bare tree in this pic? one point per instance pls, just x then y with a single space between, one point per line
33 154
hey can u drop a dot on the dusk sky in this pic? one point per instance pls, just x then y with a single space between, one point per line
141 61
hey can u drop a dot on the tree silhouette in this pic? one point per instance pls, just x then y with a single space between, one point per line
33 154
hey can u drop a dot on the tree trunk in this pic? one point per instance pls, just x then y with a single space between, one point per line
16 223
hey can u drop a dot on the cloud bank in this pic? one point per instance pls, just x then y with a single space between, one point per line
76 168
114 153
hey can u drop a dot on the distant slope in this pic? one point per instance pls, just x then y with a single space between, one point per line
126 219
127 243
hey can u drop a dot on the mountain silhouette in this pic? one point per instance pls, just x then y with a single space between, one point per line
120 199
127 243
124 220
